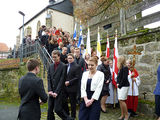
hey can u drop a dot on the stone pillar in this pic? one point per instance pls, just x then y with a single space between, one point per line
122 22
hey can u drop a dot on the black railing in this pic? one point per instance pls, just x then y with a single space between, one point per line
44 56
36 48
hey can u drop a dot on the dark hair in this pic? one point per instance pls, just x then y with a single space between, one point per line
32 64
104 58
70 54
55 52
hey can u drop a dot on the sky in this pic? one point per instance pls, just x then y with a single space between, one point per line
11 20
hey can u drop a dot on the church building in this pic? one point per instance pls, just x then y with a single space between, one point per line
59 13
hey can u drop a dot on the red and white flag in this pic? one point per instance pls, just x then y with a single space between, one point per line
107 47
115 57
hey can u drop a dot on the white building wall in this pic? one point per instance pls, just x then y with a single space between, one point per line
64 21
33 24
59 20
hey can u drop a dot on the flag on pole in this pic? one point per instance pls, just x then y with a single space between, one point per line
107 46
75 33
99 52
115 57
88 46
80 37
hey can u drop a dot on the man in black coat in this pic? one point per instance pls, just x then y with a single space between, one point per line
31 89
81 62
56 79
71 84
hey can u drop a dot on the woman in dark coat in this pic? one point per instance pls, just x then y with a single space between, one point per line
123 87
52 44
104 67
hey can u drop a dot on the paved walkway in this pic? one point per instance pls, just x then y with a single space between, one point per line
9 112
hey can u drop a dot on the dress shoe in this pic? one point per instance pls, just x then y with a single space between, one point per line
134 114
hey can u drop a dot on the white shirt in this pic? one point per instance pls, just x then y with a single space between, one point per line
96 84
135 86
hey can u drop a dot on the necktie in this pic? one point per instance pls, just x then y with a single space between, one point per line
68 68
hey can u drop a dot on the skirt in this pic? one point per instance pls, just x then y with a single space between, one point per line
122 93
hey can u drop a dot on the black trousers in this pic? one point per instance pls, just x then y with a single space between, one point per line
72 99
56 105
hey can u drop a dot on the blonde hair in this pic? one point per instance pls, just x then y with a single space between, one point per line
131 64
93 59
129 61
121 62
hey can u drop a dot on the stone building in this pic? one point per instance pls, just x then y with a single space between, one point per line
129 23
58 13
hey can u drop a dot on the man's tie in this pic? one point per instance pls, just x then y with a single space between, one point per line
68 68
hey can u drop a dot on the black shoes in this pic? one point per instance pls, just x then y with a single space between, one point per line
133 114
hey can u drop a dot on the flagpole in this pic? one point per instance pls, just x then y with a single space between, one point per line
114 100
107 46
98 47
88 46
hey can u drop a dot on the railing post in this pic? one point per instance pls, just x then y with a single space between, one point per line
21 54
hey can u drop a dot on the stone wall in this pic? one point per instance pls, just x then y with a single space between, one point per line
146 63
148 43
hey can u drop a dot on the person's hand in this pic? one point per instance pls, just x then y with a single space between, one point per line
86 101
50 93
117 85
40 102
107 81
89 102
132 75
55 95
67 83
134 79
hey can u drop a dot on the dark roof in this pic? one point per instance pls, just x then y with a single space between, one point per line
64 6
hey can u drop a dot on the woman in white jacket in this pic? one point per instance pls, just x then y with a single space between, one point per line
91 87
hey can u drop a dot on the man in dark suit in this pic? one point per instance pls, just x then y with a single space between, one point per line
56 79
80 61
71 84
31 89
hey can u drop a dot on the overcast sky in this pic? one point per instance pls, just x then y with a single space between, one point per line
11 20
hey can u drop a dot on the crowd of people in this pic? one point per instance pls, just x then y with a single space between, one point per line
76 78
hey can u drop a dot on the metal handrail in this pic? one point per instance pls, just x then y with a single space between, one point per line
44 55
36 47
